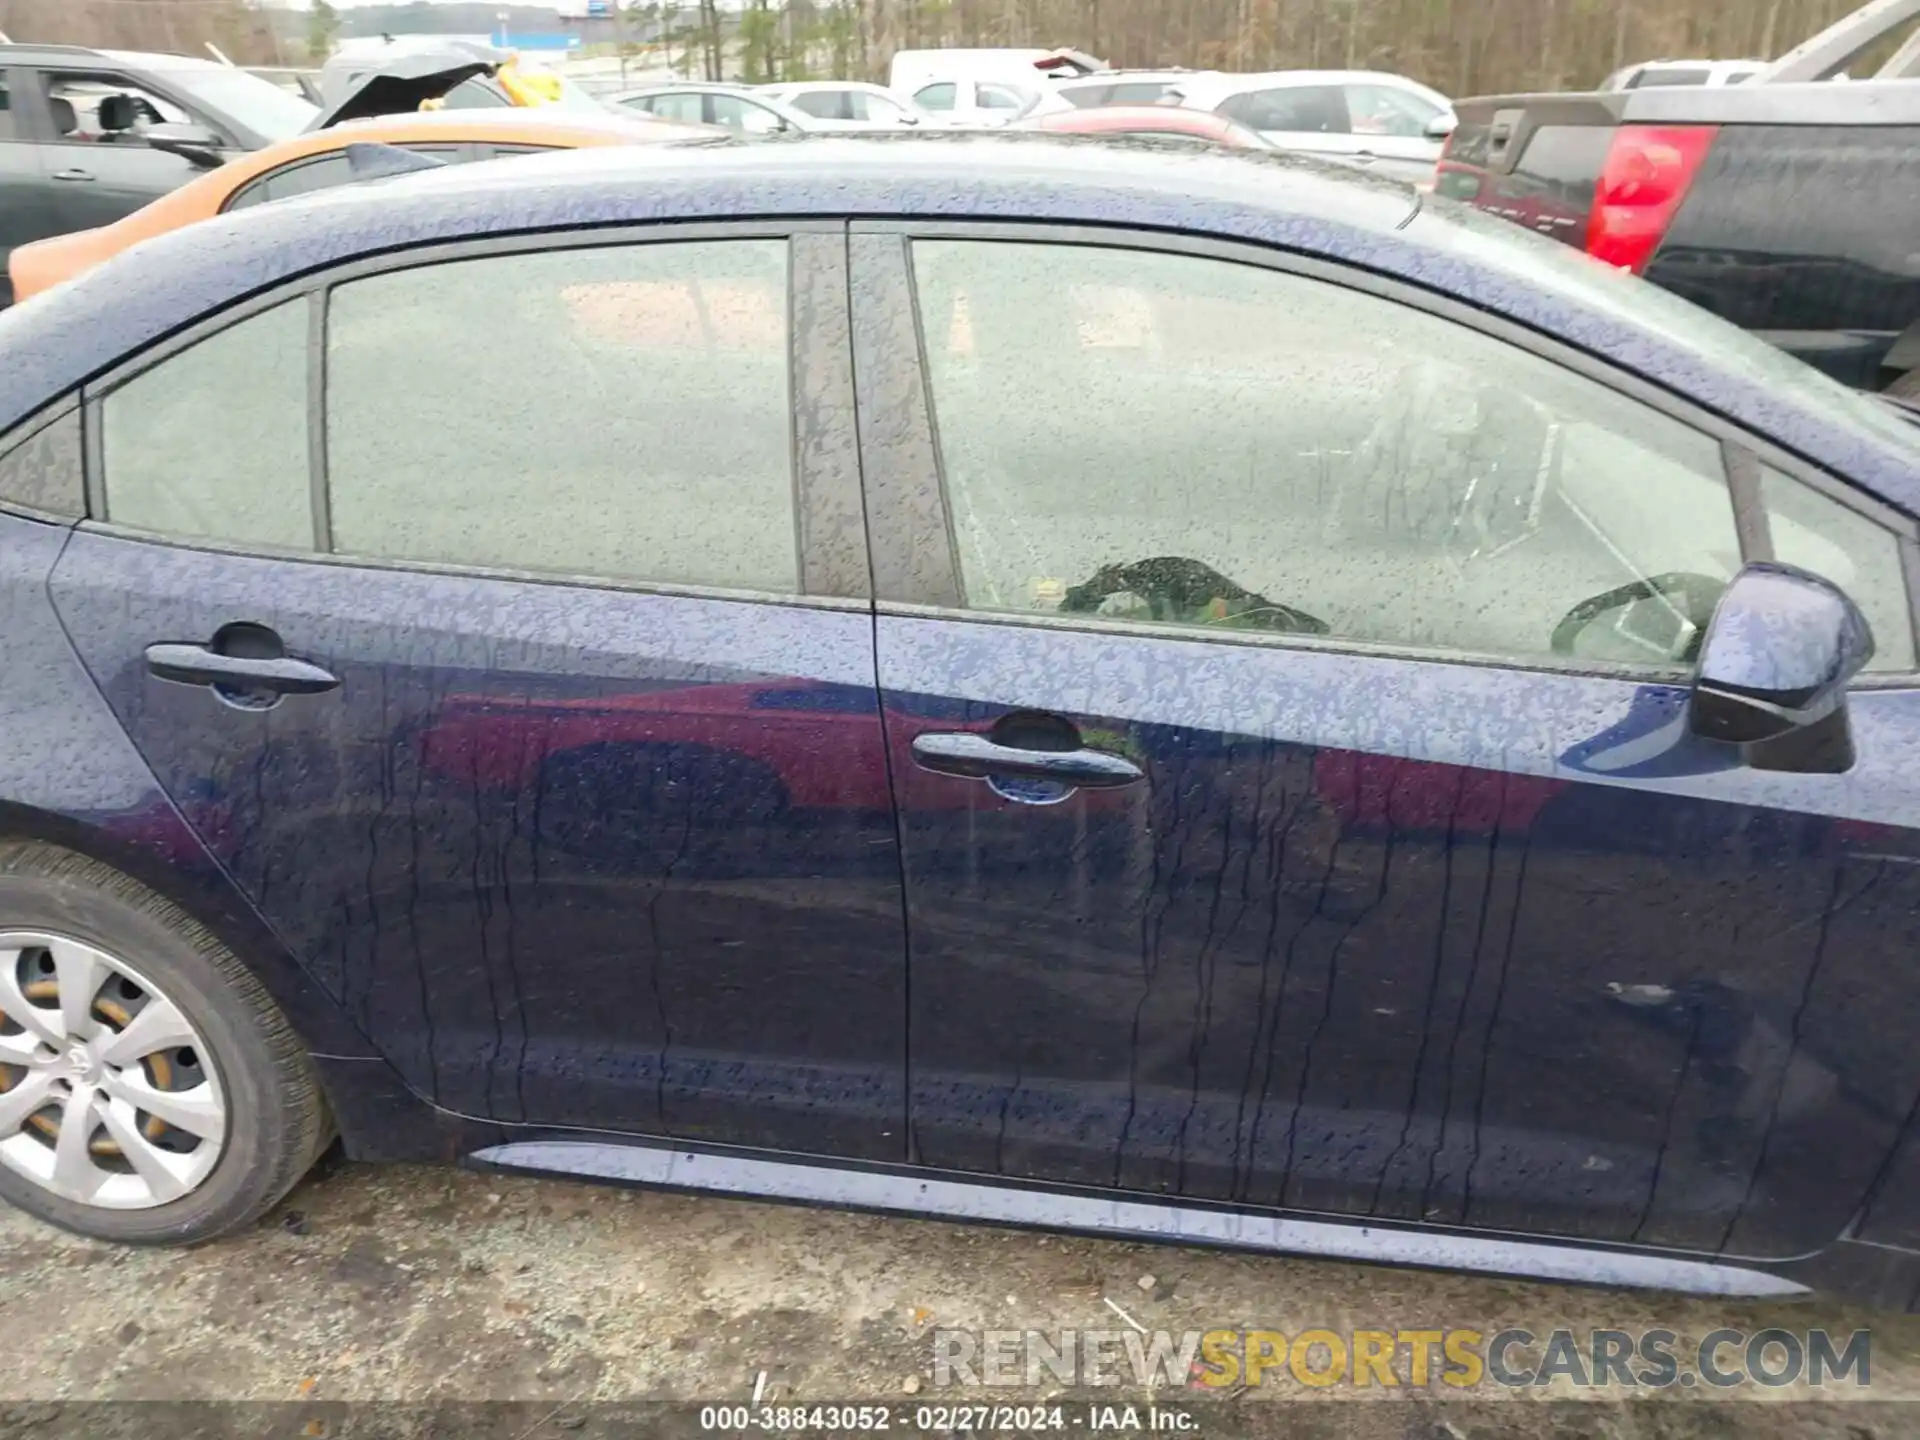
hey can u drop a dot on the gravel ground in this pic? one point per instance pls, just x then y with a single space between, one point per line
439 1286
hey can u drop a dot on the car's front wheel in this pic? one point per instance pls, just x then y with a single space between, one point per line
150 1090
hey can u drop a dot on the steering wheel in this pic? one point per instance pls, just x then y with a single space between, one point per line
1188 592
1692 594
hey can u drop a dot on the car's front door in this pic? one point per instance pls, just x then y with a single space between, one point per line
101 173
514 656
1389 127
1294 798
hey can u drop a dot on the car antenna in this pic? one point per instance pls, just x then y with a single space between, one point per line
214 50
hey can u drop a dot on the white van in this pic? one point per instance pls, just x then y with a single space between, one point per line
982 87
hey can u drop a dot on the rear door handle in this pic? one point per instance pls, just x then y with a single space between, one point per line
197 665
73 174
974 757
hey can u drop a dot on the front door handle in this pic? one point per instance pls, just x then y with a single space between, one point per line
197 665
75 173
975 757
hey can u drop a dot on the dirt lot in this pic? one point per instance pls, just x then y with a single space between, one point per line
445 1286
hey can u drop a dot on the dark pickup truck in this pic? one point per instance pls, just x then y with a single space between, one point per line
1789 204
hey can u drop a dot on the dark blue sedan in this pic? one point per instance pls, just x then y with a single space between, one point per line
1155 693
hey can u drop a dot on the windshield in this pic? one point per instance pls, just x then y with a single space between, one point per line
258 105
1573 273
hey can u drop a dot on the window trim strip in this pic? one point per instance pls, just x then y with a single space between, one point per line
829 515
317 494
907 515
1750 521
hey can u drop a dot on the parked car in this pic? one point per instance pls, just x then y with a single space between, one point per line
1786 204
1163 122
1426 775
847 104
972 102
1683 72
739 108
330 157
95 134
501 78
1386 123
910 71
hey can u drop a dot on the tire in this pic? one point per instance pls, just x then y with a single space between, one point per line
254 1087
1907 387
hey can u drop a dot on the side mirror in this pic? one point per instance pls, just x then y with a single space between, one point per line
190 142
1774 667
1440 127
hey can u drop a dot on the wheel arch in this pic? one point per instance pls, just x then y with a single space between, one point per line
156 847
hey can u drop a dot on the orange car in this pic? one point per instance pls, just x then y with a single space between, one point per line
319 160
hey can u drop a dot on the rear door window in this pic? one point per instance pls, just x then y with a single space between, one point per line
1083 97
1002 97
211 443
1670 75
8 127
684 107
1139 92
615 413
823 104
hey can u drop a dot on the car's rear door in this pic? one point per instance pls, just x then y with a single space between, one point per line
1297 810
27 208
514 655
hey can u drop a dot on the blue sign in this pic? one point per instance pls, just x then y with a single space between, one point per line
502 40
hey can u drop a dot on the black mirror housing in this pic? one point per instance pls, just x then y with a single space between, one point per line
1774 667
190 142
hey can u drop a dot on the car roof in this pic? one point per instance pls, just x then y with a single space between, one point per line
715 86
135 59
30 54
57 341
1224 83
510 121
1121 77
1118 120
799 85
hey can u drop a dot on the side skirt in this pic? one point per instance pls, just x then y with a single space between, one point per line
936 1196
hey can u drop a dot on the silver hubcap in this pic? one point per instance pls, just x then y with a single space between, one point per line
108 1096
